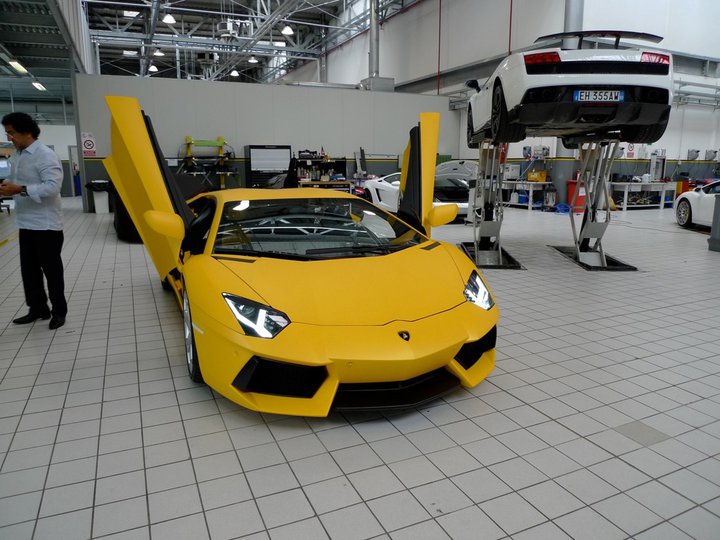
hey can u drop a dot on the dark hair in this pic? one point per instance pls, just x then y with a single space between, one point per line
22 123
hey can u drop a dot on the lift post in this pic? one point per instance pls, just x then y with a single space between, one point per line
485 209
588 251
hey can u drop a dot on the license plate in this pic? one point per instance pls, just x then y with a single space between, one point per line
602 96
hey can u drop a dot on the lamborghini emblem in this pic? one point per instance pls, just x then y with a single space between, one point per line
405 335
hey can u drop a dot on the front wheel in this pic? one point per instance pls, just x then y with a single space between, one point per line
190 349
683 213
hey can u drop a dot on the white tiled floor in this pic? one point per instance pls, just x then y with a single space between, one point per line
600 420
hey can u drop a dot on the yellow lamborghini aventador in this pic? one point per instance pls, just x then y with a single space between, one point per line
266 280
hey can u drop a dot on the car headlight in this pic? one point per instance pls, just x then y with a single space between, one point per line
256 319
477 293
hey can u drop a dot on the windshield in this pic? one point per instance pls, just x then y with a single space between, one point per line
311 229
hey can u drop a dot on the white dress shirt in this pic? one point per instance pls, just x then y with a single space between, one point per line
37 167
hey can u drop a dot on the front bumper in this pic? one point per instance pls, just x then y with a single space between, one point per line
348 367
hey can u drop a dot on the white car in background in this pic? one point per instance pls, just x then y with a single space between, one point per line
696 207
450 188
579 95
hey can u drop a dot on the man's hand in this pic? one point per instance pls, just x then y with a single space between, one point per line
9 189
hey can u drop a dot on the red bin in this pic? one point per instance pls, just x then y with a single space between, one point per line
580 201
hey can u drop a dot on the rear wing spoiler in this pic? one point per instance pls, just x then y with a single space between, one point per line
617 35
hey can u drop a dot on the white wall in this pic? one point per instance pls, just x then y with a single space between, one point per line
340 121
688 26
469 30
59 137
475 30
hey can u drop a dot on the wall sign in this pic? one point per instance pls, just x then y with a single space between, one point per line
88 144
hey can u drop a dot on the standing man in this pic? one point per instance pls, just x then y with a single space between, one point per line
35 181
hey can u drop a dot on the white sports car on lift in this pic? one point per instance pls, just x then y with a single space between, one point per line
450 188
696 207
579 95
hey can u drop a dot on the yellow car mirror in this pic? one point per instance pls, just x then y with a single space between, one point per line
165 223
442 215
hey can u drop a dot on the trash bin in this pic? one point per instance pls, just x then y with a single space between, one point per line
580 201
99 189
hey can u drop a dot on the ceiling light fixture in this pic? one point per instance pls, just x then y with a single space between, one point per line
158 52
234 73
253 60
39 86
153 68
129 53
168 19
287 31
131 14
17 66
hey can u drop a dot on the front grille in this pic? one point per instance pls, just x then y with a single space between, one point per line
395 395
470 353
266 376
614 67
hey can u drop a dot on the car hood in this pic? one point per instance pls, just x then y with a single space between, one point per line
361 291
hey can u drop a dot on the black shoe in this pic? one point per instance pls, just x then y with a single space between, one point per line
31 317
56 322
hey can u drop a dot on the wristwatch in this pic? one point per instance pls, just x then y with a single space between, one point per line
23 191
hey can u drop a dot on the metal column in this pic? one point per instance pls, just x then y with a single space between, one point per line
593 178
486 210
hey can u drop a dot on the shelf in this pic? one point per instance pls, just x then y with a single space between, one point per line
662 188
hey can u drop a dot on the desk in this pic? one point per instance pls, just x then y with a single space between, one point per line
642 187
340 185
530 187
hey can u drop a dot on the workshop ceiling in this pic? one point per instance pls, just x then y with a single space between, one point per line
30 35
240 40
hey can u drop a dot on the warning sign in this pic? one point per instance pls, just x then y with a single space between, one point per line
631 151
88 144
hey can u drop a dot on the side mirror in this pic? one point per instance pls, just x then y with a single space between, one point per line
442 215
396 183
165 223
472 83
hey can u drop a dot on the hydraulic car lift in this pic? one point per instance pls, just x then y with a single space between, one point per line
485 210
593 177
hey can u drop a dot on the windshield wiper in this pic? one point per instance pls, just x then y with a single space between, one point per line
378 248
260 253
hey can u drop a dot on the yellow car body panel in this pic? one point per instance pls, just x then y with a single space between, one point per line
409 319
133 164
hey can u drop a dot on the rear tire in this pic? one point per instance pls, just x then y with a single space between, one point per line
191 356
642 134
683 213
501 130
471 140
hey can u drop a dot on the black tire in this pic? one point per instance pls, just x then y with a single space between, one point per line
166 285
683 213
191 356
642 134
472 142
501 130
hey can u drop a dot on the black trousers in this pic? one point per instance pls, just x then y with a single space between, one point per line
40 255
